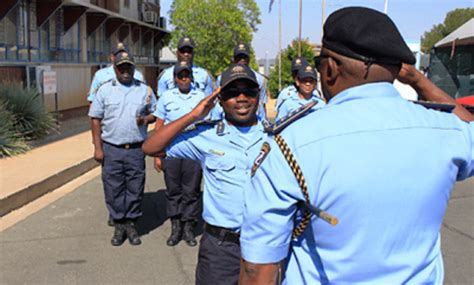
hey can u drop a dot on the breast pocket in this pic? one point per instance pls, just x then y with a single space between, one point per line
222 168
111 104
172 106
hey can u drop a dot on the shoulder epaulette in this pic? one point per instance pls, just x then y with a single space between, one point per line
162 72
443 107
102 84
294 115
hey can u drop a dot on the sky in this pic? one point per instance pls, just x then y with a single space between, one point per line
412 17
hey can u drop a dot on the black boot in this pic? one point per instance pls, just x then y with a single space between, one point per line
119 234
176 232
132 233
188 234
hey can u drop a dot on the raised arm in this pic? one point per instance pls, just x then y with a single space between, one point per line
427 90
165 134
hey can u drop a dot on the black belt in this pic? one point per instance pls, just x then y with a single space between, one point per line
222 234
127 145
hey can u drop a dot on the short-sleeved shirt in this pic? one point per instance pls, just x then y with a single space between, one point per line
103 75
201 80
291 101
262 99
384 167
173 104
226 157
118 107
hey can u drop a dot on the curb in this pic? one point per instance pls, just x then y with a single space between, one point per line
32 192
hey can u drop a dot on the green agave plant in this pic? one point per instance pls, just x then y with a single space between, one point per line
11 141
31 119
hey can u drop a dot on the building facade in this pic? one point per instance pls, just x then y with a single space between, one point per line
73 38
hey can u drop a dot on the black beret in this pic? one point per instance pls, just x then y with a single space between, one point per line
182 65
241 49
238 71
185 42
297 62
307 71
365 34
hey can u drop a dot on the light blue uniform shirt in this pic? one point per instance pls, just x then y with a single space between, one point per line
218 112
384 167
290 101
103 75
226 161
173 104
118 106
201 80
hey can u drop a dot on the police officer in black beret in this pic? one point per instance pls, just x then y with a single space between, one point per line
383 166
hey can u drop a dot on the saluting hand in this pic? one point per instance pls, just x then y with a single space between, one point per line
409 75
206 105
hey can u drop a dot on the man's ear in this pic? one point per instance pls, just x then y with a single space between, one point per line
333 71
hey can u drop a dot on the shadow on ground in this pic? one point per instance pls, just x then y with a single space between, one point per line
154 213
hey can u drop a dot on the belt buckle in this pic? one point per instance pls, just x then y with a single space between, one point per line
126 146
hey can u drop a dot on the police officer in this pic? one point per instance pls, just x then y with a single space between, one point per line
202 80
306 79
242 56
286 92
226 150
107 73
120 113
381 165
182 176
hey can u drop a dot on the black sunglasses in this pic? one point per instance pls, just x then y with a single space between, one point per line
234 92
183 75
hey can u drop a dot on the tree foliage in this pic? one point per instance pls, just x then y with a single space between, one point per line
216 26
286 56
454 19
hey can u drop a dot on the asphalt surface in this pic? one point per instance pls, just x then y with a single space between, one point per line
68 242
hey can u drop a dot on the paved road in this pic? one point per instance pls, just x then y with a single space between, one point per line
67 242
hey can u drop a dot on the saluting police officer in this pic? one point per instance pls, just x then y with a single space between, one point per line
182 176
107 73
306 80
381 165
120 113
226 150
202 80
241 55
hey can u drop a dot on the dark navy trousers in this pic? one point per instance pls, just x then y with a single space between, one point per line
218 261
123 176
183 188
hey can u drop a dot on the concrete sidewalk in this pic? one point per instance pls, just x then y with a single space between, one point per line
28 176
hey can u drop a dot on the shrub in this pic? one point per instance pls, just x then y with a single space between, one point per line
30 118
11 141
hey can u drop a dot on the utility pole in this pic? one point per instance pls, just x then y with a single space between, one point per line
279 45
299 34
323 15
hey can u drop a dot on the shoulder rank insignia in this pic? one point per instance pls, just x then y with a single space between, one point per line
261 156
294 115
220 128
443 107
102 84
